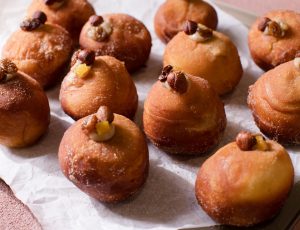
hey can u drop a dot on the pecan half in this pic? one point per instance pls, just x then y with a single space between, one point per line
39 18
89 124
105 114
96 20
164 74
263 23
177 81
245 141
87 57
190 27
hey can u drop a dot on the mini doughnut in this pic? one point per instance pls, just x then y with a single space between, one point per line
69 14
201 52
245 182
275 38
39 50
172 15
24 107
183 114
105 155
118 35
93 82
275 102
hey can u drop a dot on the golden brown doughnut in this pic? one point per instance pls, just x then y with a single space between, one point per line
118 35
183 114
209 54
106 82
275 102
70 14
275 38
24 107
105 155
245 182
41 52
172 14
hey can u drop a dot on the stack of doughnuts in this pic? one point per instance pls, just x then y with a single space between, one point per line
104 153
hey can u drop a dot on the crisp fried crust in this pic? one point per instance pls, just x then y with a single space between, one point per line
244 188
275 103
109 171
24 111
189 123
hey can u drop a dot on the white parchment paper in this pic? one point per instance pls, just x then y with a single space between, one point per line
167 200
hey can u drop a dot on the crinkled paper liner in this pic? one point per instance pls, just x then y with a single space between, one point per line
167 200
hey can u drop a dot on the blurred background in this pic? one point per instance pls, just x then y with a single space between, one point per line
261 6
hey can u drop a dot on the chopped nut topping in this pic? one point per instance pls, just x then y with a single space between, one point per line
89 124
99 126
39 18
202 34
245 141
273 28
99 30
190 27
87 57
96 20
205 33
97 33
8 66
164 74
105 114
177 81
263 23
7 69
82 61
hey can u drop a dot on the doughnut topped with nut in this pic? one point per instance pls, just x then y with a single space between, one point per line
172 15
96 81
246 182
205 53
39 49
118 35
183 114
22 124
105 155
275 38
70 14
275 102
